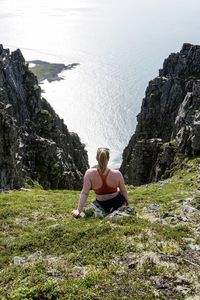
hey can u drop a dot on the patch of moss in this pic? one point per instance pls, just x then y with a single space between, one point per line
154 97
45 112
194 75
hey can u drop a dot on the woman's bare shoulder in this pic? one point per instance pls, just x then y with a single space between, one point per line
116 172
90 171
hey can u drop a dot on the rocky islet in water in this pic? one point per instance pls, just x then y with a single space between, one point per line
49 71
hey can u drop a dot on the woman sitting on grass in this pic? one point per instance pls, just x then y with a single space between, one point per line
107 184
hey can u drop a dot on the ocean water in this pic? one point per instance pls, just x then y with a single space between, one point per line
120 45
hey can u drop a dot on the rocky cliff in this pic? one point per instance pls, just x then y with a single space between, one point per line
34 142
169 121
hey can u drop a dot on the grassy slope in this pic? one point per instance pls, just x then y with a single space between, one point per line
143 257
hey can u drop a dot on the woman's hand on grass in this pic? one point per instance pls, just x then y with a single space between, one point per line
75 213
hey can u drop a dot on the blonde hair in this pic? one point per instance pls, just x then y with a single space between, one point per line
103 156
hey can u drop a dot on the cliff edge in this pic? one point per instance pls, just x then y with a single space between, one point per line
34 142
169 121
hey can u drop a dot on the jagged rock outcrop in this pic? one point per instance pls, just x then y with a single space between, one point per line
34 142
169 121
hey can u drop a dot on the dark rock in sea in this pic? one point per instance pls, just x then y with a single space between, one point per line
34 142
169 121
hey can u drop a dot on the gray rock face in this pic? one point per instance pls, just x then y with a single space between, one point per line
169 121
34 141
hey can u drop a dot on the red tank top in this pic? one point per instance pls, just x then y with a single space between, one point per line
104 189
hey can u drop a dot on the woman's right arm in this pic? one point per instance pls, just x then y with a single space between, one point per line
84 195
122 187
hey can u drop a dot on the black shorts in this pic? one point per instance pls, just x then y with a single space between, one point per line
112 204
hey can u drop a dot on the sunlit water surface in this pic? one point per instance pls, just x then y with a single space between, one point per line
120 45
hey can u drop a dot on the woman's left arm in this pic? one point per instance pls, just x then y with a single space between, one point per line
84 195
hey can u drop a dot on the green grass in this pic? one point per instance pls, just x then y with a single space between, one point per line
138 257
